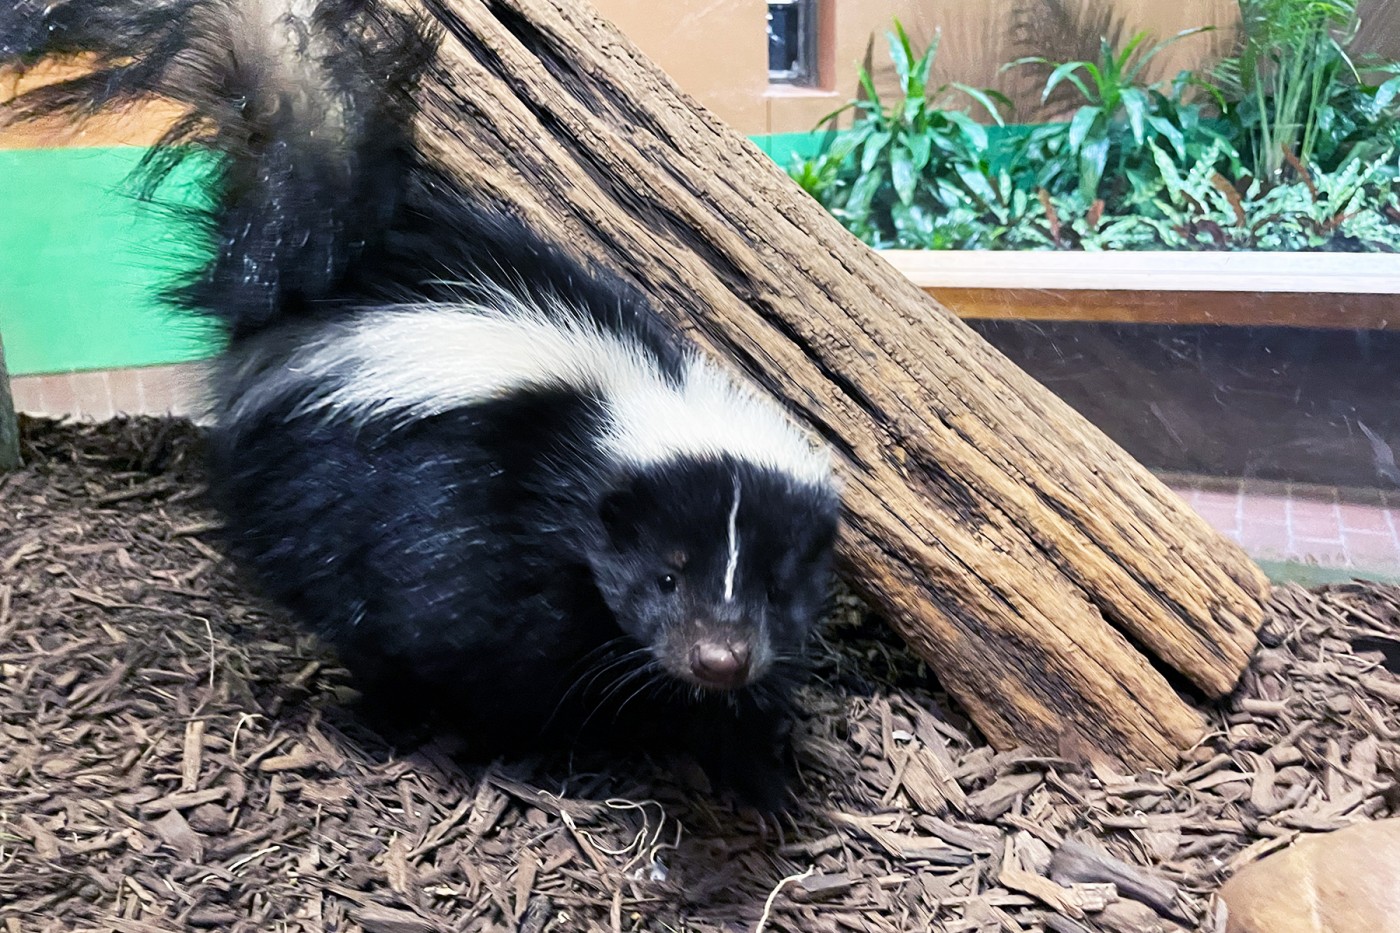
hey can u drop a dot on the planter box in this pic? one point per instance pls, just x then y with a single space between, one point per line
1350 291
1277 366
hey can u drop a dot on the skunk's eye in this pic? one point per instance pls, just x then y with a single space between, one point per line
667 583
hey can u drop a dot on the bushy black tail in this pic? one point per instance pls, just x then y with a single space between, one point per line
307 104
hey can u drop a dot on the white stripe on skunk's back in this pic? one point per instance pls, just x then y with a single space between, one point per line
410 362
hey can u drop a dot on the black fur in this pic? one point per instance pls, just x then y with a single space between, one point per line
490 566
449 560
416 261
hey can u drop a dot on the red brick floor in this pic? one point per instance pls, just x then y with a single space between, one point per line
173 389
1353 530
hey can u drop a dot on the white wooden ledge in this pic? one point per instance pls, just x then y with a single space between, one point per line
1333 290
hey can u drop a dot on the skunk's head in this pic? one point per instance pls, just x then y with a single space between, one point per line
720 568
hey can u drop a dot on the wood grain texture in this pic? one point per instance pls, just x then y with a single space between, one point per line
1042 573
1348 291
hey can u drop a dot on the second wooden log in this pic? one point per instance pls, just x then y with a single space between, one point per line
1044 575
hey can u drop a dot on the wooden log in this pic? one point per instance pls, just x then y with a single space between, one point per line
9 423
1051 582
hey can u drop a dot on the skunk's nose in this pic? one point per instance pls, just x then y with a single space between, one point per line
720 664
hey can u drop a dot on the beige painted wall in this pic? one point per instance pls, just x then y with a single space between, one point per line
138 126
716 51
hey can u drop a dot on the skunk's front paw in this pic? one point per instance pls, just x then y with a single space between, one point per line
757 782
745 754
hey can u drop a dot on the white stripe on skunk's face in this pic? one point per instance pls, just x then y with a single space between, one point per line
732 567
405 363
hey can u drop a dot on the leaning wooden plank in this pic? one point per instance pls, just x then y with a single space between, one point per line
1044 575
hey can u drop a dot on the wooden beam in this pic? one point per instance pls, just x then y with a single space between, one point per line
1037 568
1239 309
1160 271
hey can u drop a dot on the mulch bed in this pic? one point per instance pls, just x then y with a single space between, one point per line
174 756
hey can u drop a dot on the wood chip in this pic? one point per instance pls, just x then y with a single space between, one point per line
193 756
299 760
995 800
817 887
376 918
1075 862
184 800
176 833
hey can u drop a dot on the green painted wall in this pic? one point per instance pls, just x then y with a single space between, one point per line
781 147
81 261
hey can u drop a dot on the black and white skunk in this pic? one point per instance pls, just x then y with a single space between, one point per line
494 479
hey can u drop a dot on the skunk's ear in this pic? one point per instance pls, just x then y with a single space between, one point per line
618 513
821 537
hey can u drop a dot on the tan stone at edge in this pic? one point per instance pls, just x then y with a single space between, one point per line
1347 881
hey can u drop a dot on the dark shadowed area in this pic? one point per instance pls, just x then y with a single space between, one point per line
173 756
1298 405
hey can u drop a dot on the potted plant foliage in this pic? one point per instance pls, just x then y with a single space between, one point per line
1277 170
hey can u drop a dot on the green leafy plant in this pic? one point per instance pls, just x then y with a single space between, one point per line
1109 133
1290 62
1138 165
1360 119
822 175
1195 207
884 174
1062 30
901 143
